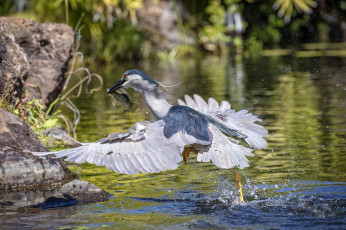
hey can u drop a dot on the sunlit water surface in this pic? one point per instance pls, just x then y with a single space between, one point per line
298 182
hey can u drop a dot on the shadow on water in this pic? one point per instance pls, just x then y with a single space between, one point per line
297 182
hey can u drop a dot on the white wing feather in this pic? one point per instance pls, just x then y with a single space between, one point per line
225 152
143 148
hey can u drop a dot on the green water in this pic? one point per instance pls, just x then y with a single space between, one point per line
297 182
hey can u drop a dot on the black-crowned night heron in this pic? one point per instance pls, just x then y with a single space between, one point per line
205 128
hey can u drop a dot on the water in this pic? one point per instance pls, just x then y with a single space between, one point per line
298 182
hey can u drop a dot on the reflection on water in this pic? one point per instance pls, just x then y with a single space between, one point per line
297 182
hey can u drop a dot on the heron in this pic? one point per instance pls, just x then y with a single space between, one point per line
214 132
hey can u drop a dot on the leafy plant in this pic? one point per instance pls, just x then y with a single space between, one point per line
213 36
285 7
181 51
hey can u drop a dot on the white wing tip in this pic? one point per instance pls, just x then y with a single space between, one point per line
40 154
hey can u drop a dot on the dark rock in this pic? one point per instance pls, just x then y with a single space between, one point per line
72 193
84 192
20 170
14 66
48 47
16 133
41 51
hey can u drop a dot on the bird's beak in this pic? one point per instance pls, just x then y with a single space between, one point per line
116 86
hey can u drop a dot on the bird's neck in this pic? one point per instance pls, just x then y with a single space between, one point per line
156 100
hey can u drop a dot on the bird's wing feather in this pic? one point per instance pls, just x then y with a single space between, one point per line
225 152
242 121
183 119
143 148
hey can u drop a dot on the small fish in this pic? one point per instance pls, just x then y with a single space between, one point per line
121 96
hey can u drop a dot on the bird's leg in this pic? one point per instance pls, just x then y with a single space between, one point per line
187 151
237 178
186 154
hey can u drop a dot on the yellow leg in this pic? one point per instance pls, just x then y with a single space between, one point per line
187 151
186 154
237 178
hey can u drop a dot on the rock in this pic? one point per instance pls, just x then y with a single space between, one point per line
61 135
28 181
160 19
48 47
42 52
16 133
14 66
22 171
75 192
84 192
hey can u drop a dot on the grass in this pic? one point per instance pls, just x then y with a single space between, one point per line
34 113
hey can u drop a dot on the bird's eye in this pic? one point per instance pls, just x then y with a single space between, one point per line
125 77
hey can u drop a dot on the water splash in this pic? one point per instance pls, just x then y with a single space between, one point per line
114 101
225 194
294 198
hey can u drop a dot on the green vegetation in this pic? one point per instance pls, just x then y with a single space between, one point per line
112 31
34 113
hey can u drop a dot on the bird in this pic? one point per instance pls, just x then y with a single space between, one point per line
214 132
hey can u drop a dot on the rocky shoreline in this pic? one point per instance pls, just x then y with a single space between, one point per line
34 58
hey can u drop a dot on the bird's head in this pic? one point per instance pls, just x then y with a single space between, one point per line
135 79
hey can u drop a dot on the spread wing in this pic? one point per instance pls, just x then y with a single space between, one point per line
143 148
157 146
242 121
